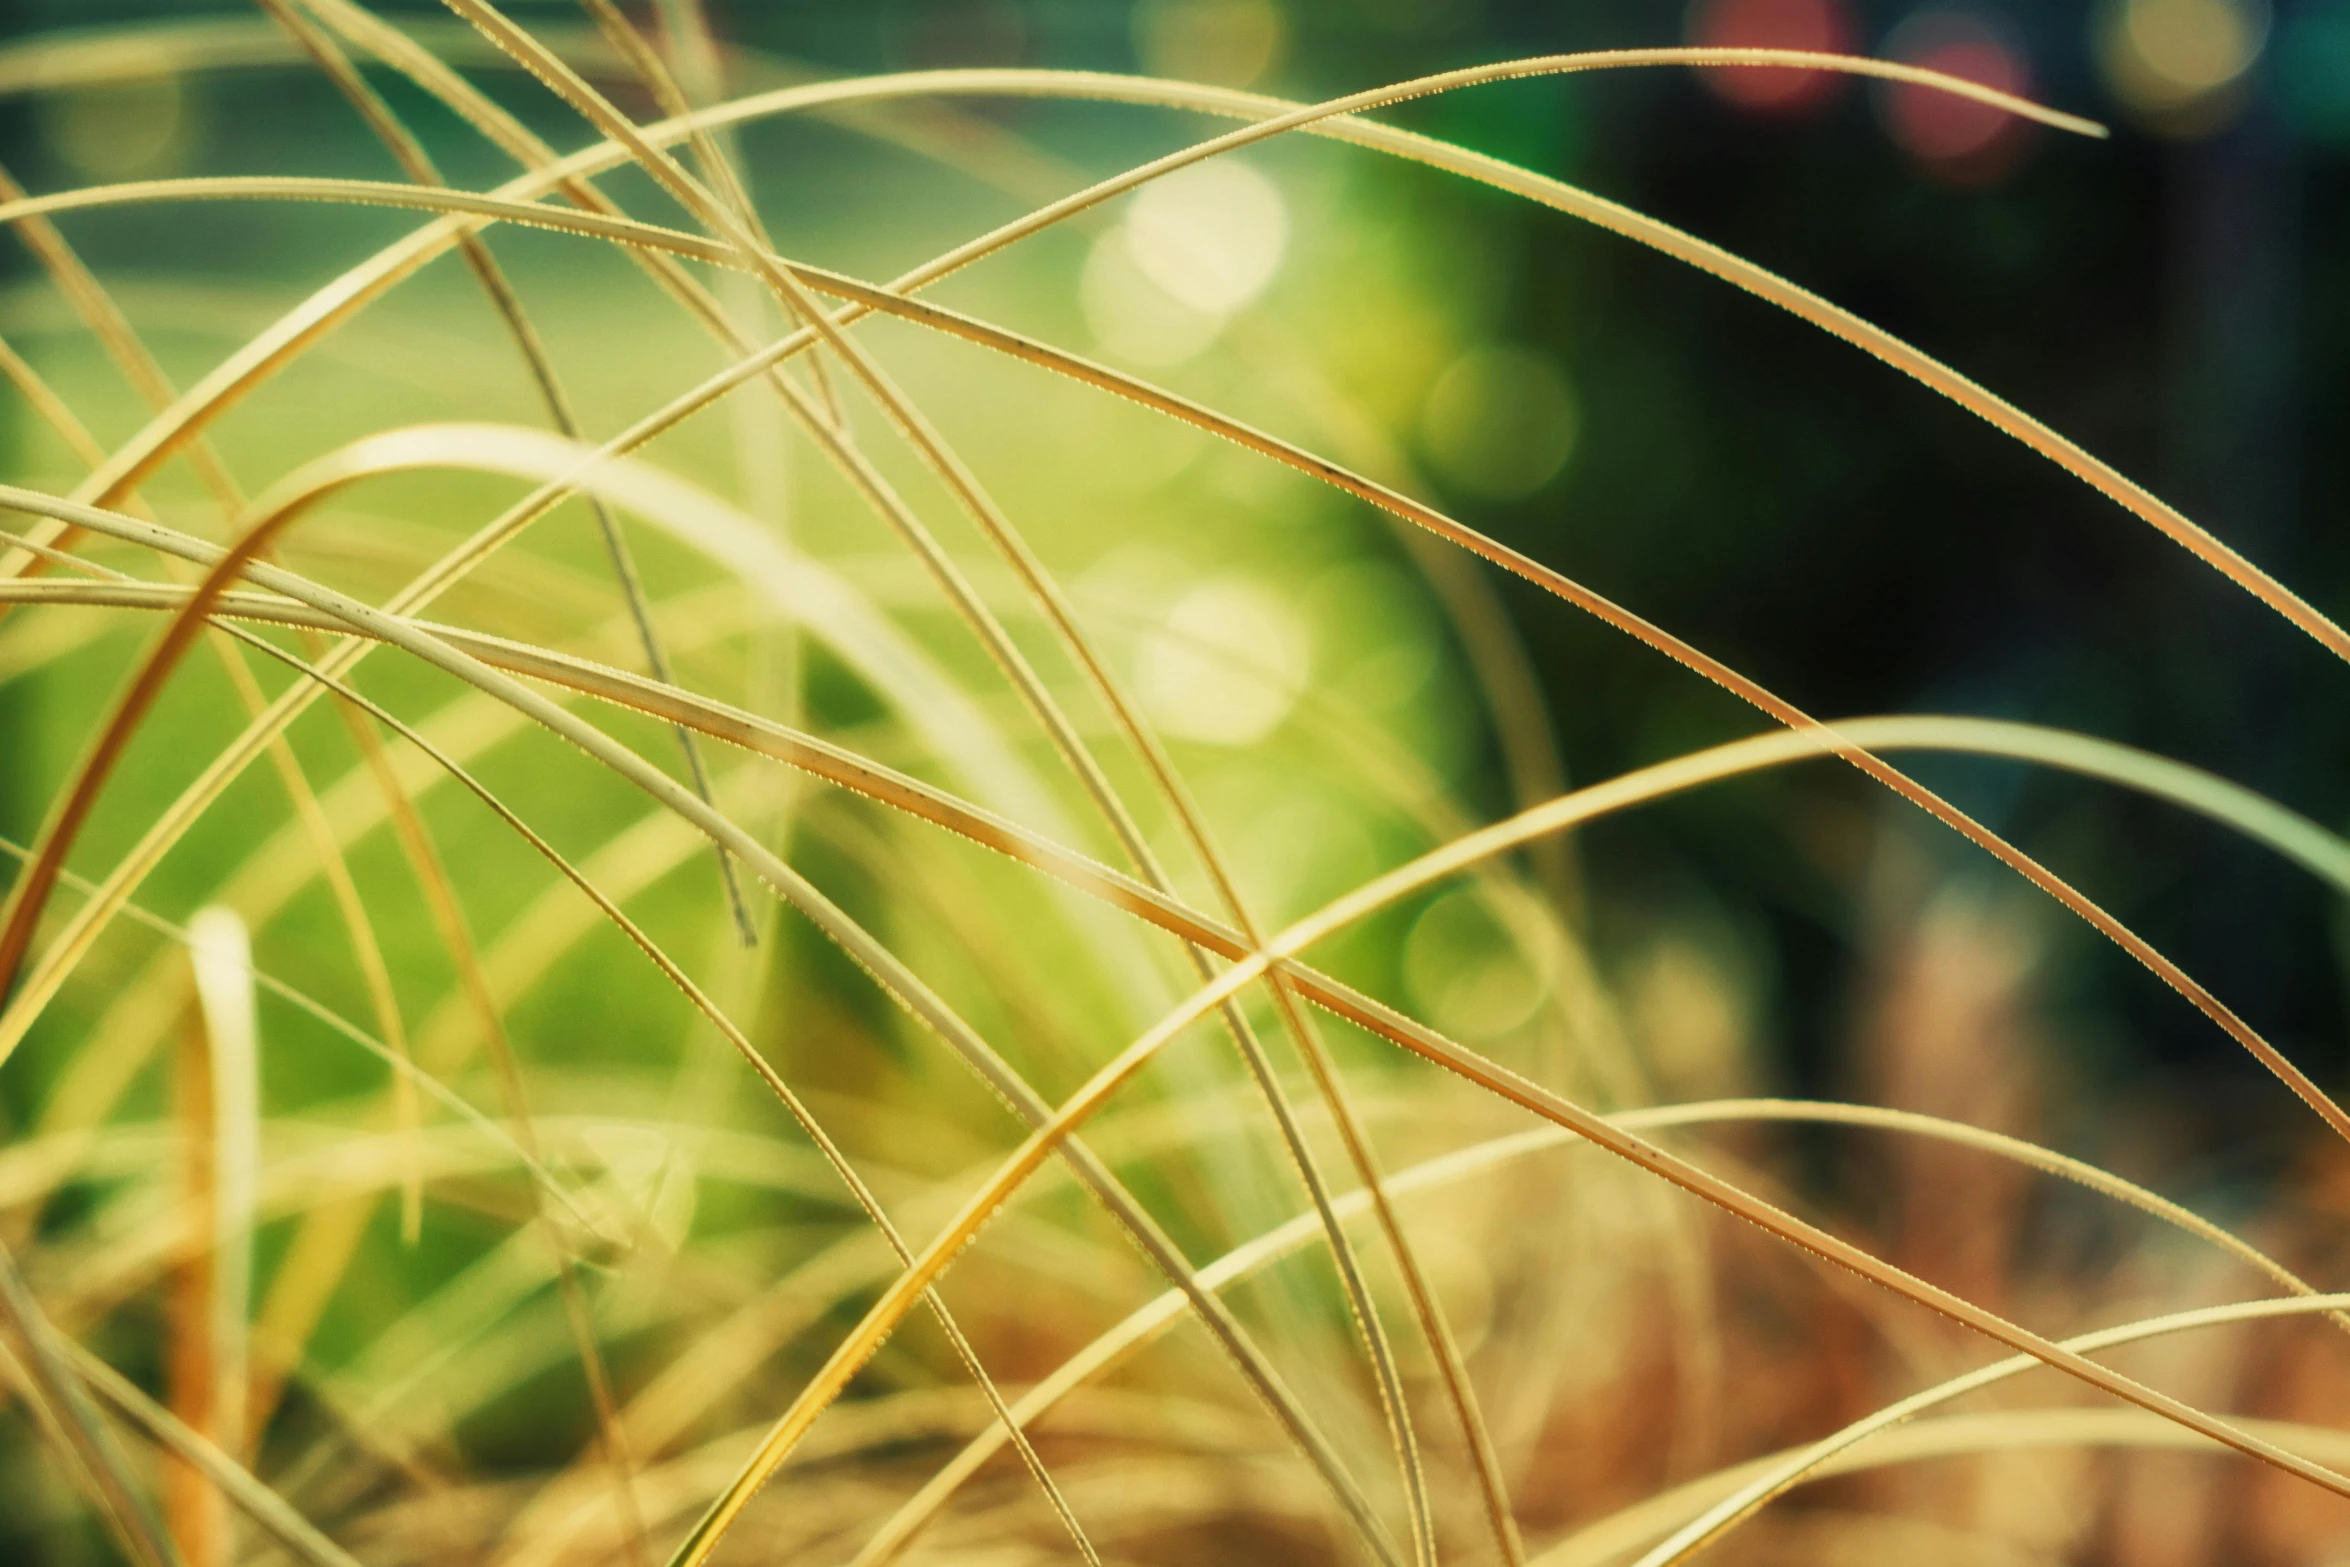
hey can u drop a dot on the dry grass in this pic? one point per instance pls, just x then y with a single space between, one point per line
440 1156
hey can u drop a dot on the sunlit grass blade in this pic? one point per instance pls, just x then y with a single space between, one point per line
1470 1163
1743 1502
880 1320
418 166
903 985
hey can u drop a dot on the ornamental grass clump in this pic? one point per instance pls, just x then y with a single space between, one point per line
681 903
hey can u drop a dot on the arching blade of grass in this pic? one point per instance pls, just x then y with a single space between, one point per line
969 247
1780 1476
418 166
1466 1164
1682 652
318 1253
1613 215
901 983
732 221
262 356
882 1318
2243 810
97 310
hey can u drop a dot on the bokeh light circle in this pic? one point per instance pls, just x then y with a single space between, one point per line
1823 26
1955 138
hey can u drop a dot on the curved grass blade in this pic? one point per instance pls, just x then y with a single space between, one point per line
418 166
881 1319
1749 1498
1786 713
1148 1321
904 987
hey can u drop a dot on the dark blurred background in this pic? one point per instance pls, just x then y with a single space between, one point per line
2176 298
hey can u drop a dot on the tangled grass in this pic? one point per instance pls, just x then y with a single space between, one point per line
485 1158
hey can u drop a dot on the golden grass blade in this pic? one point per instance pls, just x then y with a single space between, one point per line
901 983
97 309
113 329
1786 713
2322 853
418 166
1749 1498
861 1343
193 1512
236 377
1154 1318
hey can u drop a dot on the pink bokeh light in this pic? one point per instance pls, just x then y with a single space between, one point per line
1823 26
1956 139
